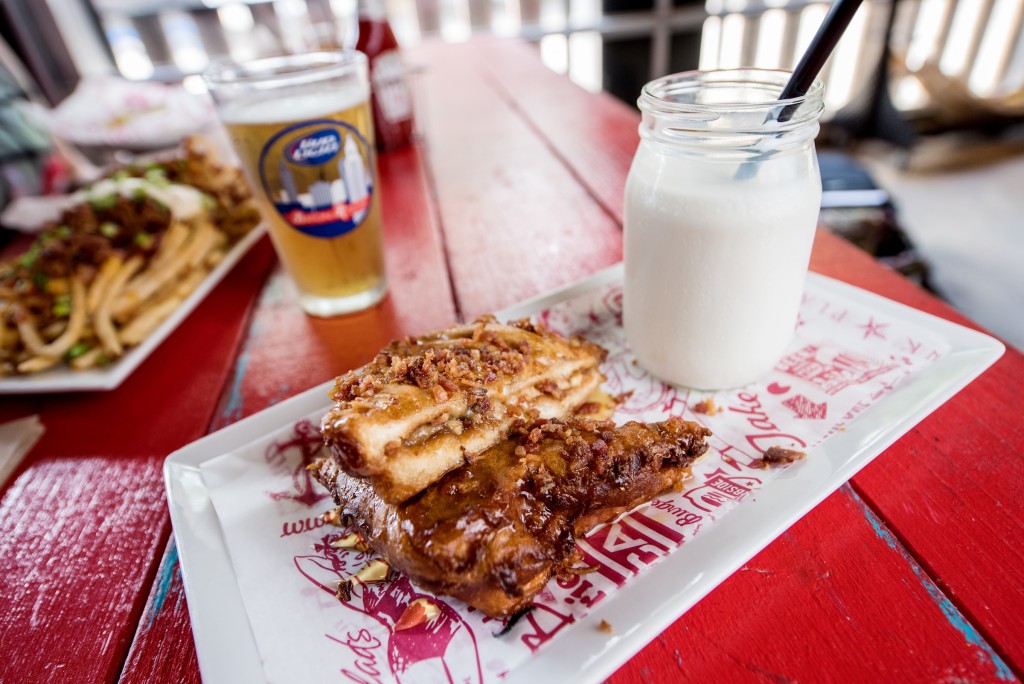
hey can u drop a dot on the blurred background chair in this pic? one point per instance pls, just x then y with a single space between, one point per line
949 62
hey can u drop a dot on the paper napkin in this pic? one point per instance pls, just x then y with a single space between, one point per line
17 438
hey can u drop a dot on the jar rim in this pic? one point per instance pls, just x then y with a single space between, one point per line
653 95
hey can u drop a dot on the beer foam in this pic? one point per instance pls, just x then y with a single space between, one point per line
309 105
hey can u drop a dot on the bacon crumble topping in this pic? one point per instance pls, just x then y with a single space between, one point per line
493 532
424 405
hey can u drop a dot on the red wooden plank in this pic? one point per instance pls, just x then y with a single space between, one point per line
834 599
595 134
516 221
163 649
287 352
82 524
78 535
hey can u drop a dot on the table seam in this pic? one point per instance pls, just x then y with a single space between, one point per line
939 591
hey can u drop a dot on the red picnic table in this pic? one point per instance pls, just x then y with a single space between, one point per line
912 572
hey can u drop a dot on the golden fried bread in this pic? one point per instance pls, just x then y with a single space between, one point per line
426 405
494 531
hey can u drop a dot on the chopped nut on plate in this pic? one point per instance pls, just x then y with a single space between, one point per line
351 541
376 570
420 611
707 407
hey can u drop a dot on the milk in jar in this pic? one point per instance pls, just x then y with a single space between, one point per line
720 210
303 131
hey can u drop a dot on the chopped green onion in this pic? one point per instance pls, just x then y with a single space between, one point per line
62 306
40 279
208 202
62 232
76 350
29 258
144 240
139 194
157 176
104 202
109 229
121 175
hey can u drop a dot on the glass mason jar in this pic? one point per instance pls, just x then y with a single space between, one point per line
721 206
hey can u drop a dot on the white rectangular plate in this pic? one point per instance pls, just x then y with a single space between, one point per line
64 379
641 609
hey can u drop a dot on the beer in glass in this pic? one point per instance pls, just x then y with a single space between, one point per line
302 126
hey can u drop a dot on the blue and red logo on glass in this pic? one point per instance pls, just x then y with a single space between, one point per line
314 149
335 198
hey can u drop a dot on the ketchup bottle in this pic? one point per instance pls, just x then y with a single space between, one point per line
391 100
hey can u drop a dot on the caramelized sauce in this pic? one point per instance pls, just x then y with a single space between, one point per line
494 531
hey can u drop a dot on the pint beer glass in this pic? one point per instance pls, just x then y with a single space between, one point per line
302 127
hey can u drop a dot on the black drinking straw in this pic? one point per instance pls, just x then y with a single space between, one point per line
824 42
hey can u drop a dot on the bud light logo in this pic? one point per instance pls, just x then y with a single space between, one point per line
315 149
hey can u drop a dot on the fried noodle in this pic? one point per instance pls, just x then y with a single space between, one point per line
119 262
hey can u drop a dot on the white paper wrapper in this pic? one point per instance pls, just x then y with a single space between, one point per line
17 438
842 359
